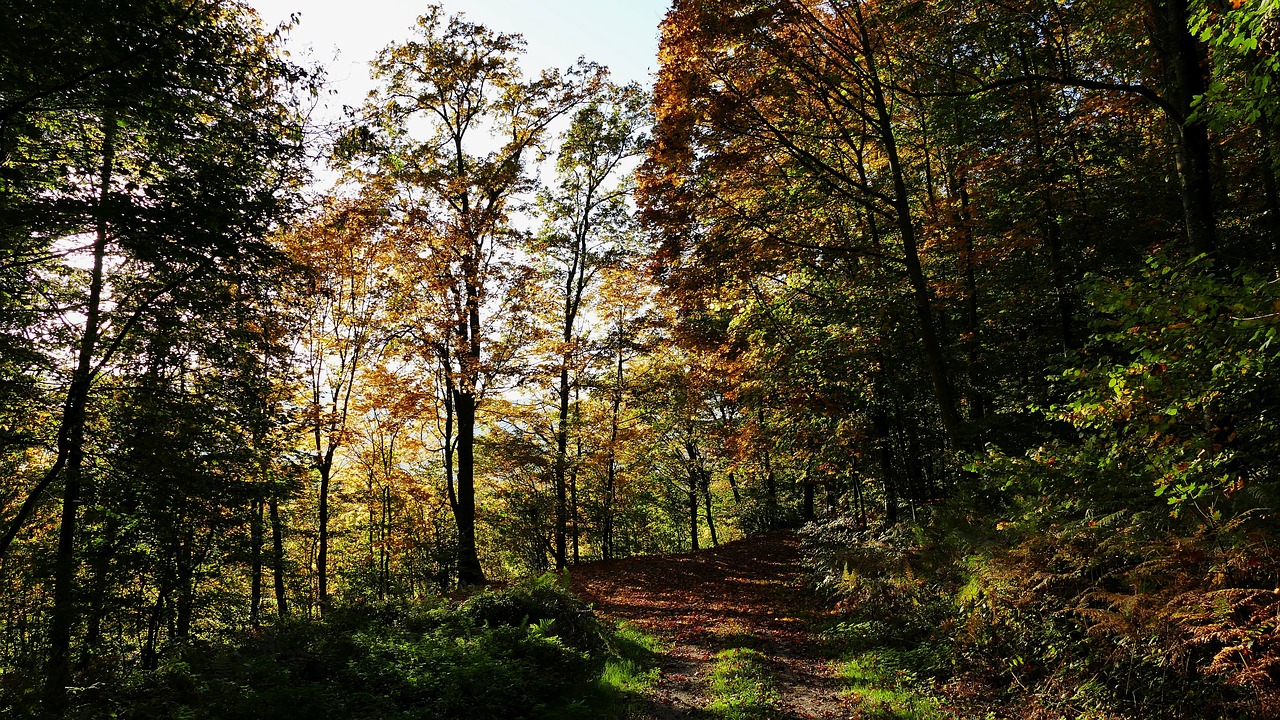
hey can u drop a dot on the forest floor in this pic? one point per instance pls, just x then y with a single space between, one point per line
744 594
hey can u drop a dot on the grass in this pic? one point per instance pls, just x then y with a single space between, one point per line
630 671
741 687
885 690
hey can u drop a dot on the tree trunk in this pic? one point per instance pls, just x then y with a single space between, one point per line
694 487
562 449
101 564
384 548
612 469
977 403
469 570
711 519
465 403
1051 229
575 534
693 510
71 446
922 296
733 486
610 479
277 553
322 554
885 455
1186 81
807 509
150 648
255 570
186 564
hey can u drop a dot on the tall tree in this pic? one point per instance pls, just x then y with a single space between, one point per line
346 252
587 223
814 98
448 135
175 109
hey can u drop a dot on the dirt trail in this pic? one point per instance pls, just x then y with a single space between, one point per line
748 593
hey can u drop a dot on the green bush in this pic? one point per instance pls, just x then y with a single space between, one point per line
531 651
540 601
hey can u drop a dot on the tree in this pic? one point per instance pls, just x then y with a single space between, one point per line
587 222
177 112
813 98
345 251
626 303
421 141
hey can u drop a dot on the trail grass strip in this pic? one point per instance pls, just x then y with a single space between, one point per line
741 686
737 622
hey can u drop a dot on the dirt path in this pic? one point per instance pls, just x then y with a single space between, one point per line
748 593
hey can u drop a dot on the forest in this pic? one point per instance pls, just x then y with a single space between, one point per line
971 303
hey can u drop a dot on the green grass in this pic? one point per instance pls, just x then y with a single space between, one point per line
633 668
741 687
885 690
629 672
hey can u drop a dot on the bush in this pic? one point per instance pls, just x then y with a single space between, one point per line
543 602
531 651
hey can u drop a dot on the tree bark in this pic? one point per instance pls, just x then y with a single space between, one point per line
611 472
1186 81
693 511
255 569
469 570
322 554
71 446
694 483
186 566
922 295
574 532
706 495
277 564
465 402
562 449
807 509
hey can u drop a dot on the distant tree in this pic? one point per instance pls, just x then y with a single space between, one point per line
587 226
345 252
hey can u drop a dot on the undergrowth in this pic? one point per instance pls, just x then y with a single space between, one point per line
1050 614
631 669
885 687
530 651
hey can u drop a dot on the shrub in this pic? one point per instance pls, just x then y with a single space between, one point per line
531 651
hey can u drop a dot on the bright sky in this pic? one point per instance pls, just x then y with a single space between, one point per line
621 34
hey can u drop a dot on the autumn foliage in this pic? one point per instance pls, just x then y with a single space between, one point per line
981 293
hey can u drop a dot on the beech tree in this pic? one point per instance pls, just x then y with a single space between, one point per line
813 98
587 224
447 138
343 306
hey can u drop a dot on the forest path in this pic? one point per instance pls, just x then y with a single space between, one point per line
748 593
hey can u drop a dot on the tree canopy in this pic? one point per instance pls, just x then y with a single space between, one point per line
982 295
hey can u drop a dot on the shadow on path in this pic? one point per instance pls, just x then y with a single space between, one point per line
748 593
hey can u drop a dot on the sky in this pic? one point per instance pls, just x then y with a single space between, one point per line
621 34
